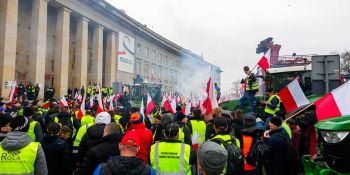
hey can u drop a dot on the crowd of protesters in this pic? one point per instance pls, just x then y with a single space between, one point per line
37 138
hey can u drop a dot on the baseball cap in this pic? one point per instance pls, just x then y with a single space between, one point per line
136 118
212 157
131 139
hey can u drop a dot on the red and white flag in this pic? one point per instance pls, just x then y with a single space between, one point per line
91 102
334 104
13 92
188 109
111 107
76 96
167 105
173 106
210 103
163 101
81 111
292 96
80 98
100 107
63 101
150 105
195 143
142 109
264 61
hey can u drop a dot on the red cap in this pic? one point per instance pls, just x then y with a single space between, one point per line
131 139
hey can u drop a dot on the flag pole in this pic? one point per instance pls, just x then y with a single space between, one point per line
297 113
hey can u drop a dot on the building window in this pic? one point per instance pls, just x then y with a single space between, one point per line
146 70
139 49
138 67
147 52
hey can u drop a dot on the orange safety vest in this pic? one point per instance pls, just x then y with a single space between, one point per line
247 143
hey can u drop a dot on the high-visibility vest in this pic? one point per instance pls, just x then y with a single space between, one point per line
255 85
81 132
110 91
227 139
88 91
171 158
72 120
87 119
20 161
247 143
116 119
31 132
200 127
181 135
273 111
287 129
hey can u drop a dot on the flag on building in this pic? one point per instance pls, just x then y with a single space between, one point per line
264 61
334 104
13 92
292 96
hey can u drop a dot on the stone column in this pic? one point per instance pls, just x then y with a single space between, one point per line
8 43
81 52
110 59
37 45
97 54
61 52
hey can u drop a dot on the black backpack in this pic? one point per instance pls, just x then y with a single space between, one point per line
291 153
235 159
258 153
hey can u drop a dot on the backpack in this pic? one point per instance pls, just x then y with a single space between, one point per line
291 153
258 153
235 159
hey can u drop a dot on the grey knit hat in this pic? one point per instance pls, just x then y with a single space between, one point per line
212 157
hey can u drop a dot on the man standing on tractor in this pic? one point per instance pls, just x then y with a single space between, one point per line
273 105
250 89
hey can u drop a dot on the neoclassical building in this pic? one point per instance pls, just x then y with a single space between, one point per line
70 43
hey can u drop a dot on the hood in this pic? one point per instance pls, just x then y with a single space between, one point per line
253 131
126 165
15 140
96 131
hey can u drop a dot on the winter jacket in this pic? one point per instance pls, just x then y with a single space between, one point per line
187 133
210 129
236 128
278 161
107 147
90 139
16 140
57 155
146 139
124 165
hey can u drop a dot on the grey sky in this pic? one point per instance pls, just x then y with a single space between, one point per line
228 31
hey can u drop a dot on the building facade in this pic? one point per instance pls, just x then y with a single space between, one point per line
71 43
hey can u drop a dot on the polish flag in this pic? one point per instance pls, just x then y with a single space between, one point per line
210 103
334 104
163 101
81 111
188 109
100 107
142 109
150 105
264 61
13 92
63 101
80 98
76 96
167 105
173 106
91 101
111 107
194 139
292 96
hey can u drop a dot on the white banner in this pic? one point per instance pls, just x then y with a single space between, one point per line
126 53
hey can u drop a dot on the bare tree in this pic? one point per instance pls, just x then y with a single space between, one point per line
236 87
345 62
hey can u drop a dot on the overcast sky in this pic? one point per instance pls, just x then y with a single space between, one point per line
227 31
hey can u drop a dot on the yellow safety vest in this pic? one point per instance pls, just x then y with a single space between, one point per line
72 120
81 132
227 139
110 91
171 158
88 91
287 128
116 119
273 111
255 85
87 119
19 161
200 127
181 135
31 132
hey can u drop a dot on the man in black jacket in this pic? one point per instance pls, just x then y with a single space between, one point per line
282 158
127 162
106 148
56 151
